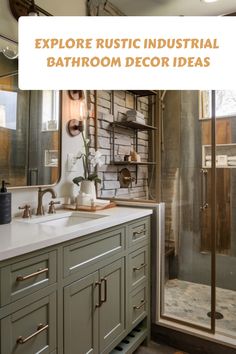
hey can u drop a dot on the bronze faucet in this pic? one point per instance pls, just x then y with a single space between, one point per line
26 211
41 192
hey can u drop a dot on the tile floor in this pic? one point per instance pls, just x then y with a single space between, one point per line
155 348
191 302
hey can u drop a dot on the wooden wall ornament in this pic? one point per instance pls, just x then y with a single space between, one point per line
22 8
18 8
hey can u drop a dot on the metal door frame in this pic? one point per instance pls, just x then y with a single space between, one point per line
213 238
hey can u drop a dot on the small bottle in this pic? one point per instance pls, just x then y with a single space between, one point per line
5 205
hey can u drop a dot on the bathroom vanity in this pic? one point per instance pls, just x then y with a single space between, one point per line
75 288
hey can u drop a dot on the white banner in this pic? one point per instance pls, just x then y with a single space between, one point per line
59 53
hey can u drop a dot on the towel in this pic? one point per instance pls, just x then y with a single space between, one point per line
231 158
135 119
222 160
134 113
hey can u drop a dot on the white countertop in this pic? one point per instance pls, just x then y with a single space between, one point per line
20 237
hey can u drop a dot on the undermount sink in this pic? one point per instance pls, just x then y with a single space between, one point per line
63 219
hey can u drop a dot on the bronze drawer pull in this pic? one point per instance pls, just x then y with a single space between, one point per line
40 328
142 303
105 289
40 271
99 293
139 232
143 265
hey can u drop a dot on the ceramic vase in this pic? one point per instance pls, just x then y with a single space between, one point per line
87 193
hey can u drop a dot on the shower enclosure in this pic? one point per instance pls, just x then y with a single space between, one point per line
198 187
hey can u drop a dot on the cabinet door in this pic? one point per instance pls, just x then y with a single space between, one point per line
111 314
138 267
32 329
81 316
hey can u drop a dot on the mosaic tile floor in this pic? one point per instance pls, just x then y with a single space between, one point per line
191 302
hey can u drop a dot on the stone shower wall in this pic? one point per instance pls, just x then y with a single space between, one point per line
124 142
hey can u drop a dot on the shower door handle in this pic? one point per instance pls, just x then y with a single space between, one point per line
204 203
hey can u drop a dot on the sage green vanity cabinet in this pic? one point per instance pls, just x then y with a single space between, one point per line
31 329
78 256
112 309
81 316
138 271
138 233
139 304
81 296
138 266
19 279
94 310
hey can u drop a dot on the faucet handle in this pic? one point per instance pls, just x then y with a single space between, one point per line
51 209
26 211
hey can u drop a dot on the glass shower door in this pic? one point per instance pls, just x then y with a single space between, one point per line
226 212
187 176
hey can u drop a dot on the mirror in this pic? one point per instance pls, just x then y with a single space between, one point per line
29 128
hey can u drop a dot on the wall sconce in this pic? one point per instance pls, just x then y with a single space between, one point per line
26 8
76 126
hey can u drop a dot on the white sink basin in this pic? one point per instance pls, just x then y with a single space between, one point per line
63 219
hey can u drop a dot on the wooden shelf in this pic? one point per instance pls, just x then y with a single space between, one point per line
143 93
132 163
133 125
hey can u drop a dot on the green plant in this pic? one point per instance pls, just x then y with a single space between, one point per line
88 160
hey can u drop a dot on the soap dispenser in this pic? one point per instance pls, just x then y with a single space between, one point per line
5 205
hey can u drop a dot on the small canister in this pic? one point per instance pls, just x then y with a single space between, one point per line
5 205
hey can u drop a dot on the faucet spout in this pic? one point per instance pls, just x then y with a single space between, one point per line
41 192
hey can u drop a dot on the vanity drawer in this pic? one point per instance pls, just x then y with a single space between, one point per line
31 329
139 305
138 267
27 276
88 252
138 232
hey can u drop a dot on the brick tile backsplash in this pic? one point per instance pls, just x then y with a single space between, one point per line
124 142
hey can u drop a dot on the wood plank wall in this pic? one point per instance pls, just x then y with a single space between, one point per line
223 187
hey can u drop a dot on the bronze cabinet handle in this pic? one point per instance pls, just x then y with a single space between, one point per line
40 328
143 265
142 303
40 271
105 290
139 232
99 293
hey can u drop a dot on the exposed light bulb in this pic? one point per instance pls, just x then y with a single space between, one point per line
82 109
32 10
9 52
32 13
